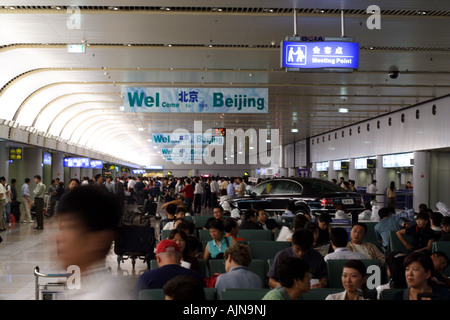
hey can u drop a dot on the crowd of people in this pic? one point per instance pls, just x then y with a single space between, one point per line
91 210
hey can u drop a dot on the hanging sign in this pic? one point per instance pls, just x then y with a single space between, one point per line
320 56
197 100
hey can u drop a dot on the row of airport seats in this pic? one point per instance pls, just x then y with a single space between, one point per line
258 294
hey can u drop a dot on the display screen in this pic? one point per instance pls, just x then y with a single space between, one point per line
77 162
96 164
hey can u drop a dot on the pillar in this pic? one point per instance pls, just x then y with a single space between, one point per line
58 166
381 175
352 172
4 158
332 174
421 178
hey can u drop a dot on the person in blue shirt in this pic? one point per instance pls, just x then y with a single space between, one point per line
388 222
168 258
237 258
215 248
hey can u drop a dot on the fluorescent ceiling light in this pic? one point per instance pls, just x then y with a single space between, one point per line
343 110
294 130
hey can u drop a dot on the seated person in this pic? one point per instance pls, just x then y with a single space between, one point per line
294 278
168 258
357 244
249 220
184 288
180 214
440 262
302 241
435 224
422 234
170 212
195 244
395 271
215 248
418 269
353 280
323 249
188 257
265 222
299 222
445 233
218 215
231 228
237 259
388 222
324 224
288 212
339 240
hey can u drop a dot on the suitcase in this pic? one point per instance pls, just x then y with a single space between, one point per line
134 218
150 207
133 242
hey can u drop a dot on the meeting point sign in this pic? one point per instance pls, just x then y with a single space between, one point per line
196 100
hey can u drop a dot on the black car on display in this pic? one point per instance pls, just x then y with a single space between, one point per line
308 195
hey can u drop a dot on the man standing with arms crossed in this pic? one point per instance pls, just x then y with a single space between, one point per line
38 193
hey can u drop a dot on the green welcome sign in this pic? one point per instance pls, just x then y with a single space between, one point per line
197 100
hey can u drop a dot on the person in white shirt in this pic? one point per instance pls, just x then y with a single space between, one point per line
353 277
88 223
372 189
339 240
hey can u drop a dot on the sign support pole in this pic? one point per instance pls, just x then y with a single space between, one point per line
295 23
342 24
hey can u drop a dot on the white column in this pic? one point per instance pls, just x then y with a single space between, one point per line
4 158
85 172
58 166
332 174
421 178
74 173
352 172
315 173
292 172
382 178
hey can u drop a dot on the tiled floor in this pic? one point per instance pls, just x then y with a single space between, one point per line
24 248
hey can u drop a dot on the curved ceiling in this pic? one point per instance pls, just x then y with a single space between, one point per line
210 44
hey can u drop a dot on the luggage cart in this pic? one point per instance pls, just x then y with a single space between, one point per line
50 290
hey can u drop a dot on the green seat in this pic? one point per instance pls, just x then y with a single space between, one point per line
257 266
151 294
335 268
443 246
204 235
266 249
319 293
387 294
256 235
370 235
158 294
286 221
165 234
210 293
153 264
200 221
396 244
243 294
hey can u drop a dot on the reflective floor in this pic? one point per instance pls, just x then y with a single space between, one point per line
24 248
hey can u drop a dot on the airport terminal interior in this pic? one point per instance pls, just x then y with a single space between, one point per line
218 88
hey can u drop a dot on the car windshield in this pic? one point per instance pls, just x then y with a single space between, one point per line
321 186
